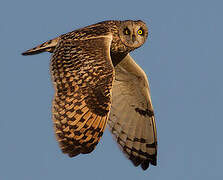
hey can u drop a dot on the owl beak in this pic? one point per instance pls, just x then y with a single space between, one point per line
133 38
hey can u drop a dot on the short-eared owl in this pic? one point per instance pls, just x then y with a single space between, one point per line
96 81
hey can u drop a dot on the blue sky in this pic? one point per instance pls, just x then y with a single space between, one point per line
182 58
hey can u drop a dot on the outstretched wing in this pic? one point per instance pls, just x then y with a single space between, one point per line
132 118
82 74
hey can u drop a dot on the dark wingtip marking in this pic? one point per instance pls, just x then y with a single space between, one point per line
135 160
145 165
153 162
74 153
24 53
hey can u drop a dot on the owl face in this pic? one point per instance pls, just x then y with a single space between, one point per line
133 33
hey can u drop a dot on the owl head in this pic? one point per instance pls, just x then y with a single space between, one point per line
133 33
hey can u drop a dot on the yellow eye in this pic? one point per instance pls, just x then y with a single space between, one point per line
140 32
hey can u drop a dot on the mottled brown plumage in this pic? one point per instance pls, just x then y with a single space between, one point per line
83 68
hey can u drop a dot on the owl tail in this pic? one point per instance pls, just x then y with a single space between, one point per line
48 46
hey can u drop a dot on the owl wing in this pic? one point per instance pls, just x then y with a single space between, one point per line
131 118
82 74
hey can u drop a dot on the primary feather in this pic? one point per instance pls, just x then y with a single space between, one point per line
132 117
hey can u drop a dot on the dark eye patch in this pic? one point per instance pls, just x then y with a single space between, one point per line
140 32
126 31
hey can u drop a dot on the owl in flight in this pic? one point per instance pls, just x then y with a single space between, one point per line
96 81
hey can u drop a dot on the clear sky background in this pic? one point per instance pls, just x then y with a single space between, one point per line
182 58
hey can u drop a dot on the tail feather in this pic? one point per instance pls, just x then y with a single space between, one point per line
48 46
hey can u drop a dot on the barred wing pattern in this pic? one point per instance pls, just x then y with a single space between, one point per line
82 74
132 118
